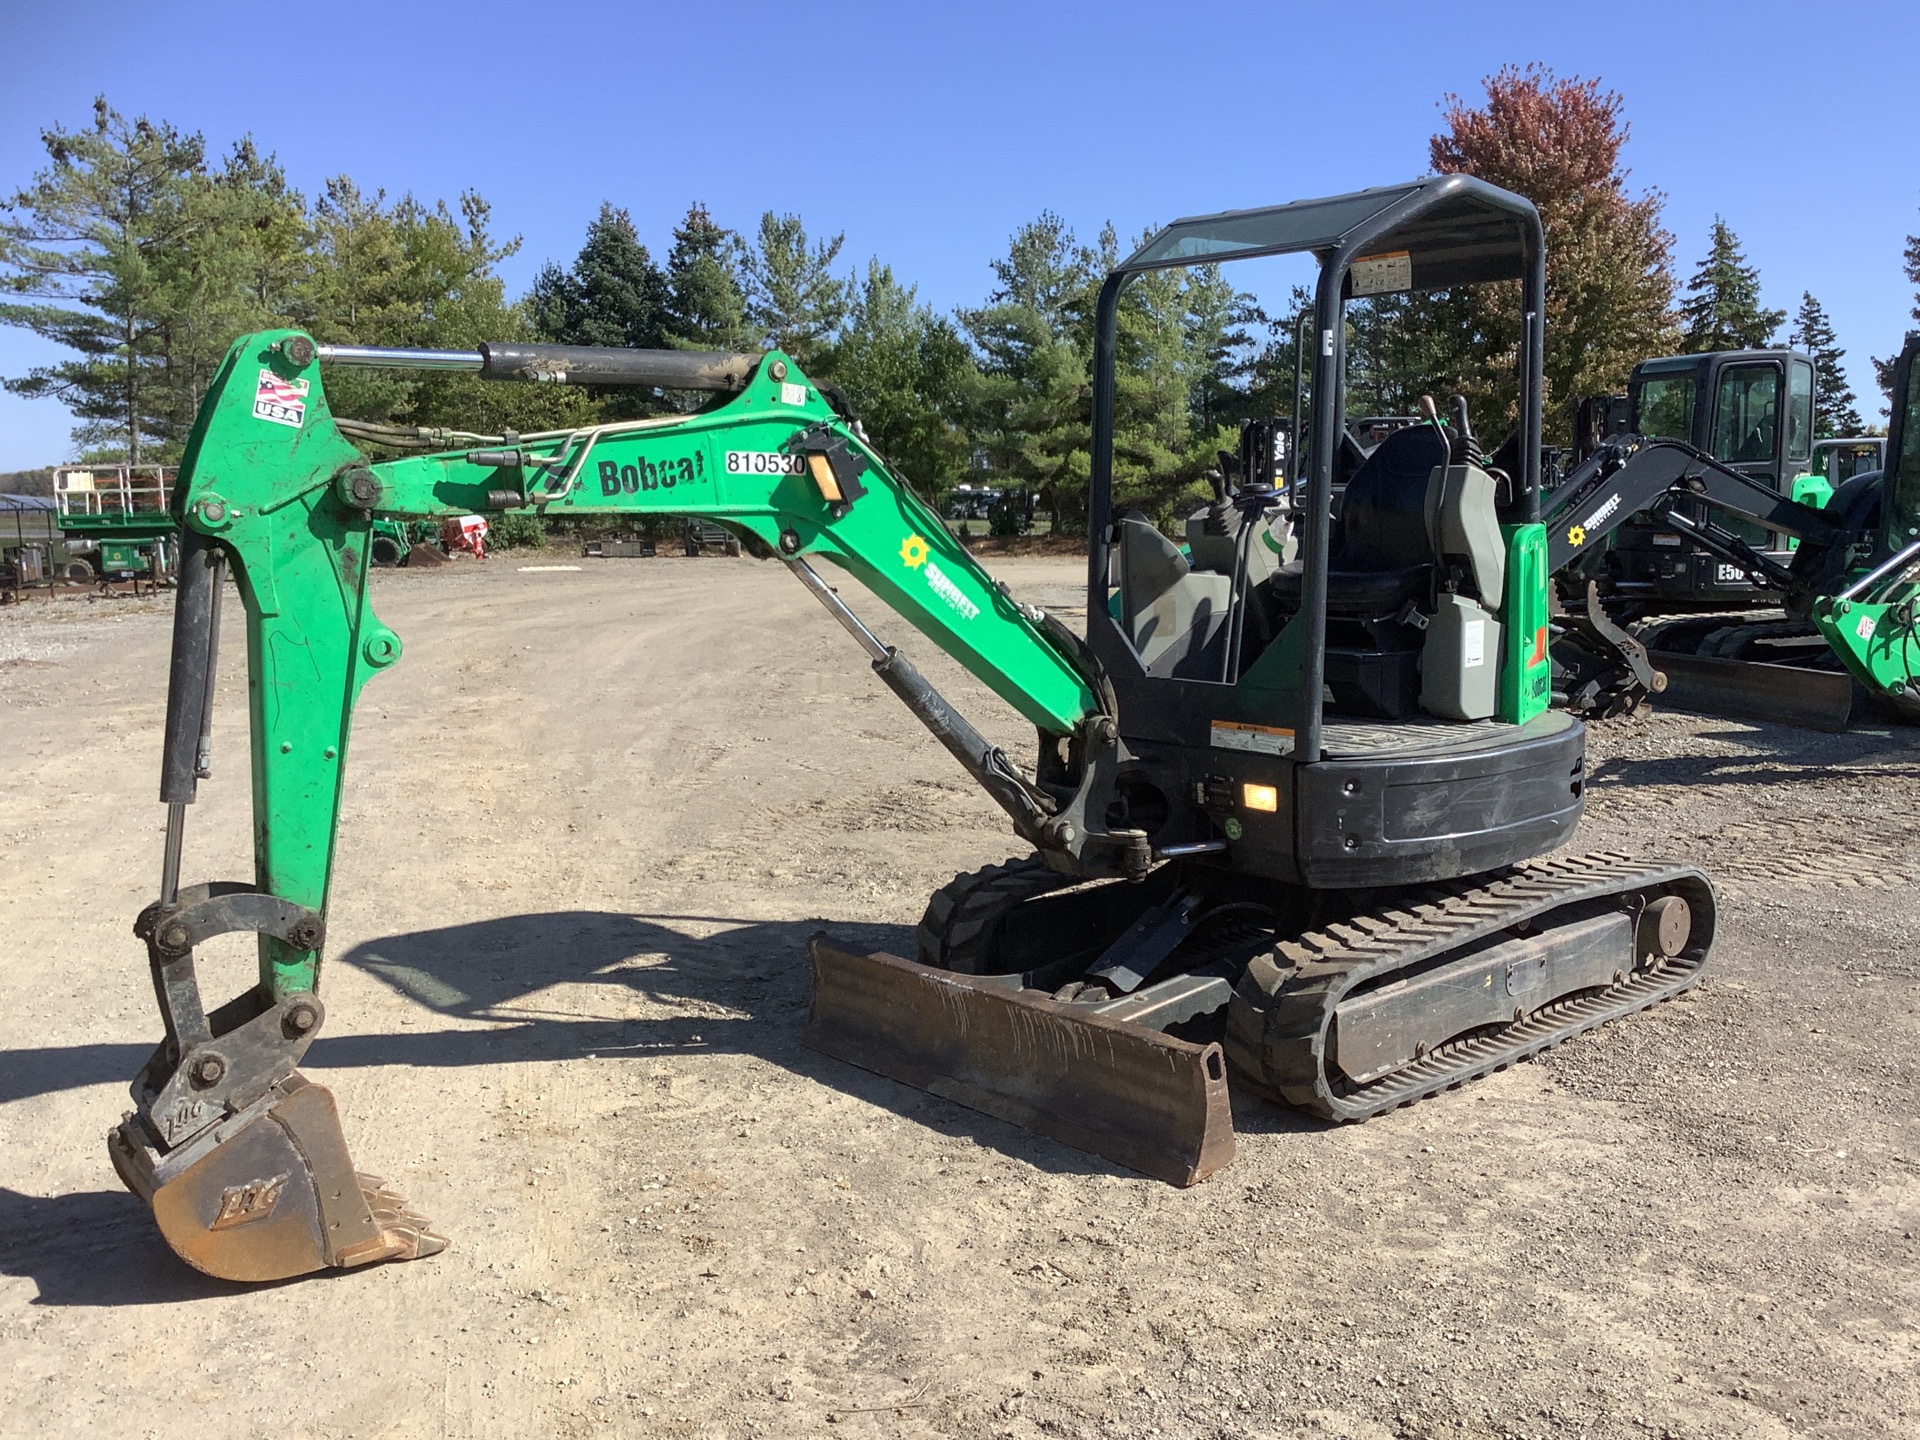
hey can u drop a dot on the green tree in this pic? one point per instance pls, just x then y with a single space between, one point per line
613 295
793 298
1910 264
1835 408
410 274
706 305
240 270
94 247
1722 310
907 374
1609 260
1218 335
1031 407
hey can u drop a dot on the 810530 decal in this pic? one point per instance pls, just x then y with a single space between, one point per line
764 462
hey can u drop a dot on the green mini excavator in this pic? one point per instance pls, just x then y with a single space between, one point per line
1288 807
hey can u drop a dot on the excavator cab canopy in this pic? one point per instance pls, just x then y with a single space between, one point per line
1453 230
1444 232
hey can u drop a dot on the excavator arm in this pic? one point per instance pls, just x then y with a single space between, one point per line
1868 619
243 1160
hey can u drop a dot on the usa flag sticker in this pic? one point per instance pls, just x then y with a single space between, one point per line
284 402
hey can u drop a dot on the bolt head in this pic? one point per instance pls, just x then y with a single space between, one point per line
298 351
208 1070
778 370
175 936
213 511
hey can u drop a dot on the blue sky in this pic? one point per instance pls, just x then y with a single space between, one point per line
928 133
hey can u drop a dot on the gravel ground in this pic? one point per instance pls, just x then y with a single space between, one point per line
591 819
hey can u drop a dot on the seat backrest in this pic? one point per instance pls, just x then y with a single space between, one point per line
1383 514
1463 529
1150 566
1168 610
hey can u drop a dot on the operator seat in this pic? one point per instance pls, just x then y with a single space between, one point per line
1170 611
1378 556
1412 527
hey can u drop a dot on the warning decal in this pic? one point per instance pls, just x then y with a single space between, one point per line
1382 274
1256 739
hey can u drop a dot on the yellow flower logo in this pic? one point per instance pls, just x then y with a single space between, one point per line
1577 536
913 552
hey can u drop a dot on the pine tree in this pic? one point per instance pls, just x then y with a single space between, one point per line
1609 259
1220 324
1030 411
240 270
705 309
908 374
1723 310
1836 408
96 244
793 297
1883 369
613 295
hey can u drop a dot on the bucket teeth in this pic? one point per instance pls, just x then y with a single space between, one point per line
405 1233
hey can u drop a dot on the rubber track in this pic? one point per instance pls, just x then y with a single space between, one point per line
960 913
1282 1013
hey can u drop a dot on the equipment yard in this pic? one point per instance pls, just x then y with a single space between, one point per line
588 829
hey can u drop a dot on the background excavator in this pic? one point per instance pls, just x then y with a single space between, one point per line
1286 810
1747 552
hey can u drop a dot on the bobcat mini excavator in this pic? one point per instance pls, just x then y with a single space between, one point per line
1841 562
1301 797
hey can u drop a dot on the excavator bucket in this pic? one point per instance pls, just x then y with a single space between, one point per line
1143 1099
270 1193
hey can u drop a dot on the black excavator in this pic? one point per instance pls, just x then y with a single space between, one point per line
1291 808
1720 545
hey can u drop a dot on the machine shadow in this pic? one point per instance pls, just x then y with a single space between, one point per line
497 970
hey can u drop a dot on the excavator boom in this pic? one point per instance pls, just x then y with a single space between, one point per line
241 1158
1864 613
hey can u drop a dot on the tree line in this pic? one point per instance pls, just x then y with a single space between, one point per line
142 254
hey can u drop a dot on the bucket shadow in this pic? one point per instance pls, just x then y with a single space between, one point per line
102 1249
95 1248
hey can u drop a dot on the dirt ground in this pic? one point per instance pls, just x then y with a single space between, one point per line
591 819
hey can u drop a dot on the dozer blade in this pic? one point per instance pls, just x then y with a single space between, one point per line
270 1192
1145 1100
1756 690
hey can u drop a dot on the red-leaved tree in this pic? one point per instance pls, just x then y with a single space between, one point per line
1609 260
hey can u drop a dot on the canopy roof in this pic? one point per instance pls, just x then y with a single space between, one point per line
1455 230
